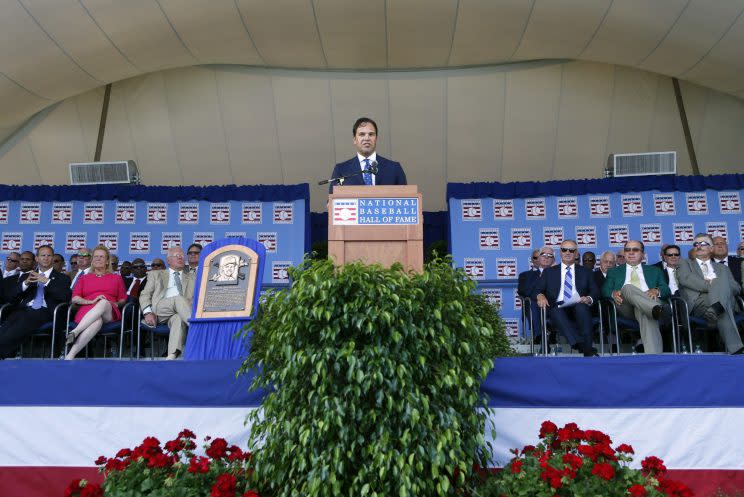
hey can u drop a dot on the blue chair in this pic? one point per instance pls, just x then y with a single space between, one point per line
57 326
681 315
616 324
597 324
159 330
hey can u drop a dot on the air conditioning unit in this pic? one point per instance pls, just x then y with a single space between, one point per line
97 173
645 164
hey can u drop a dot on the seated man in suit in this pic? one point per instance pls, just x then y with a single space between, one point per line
84 258
721 256
606 262
135 284
709 291
365 141
670 257
541 259
589 260
11 288
568 291
38 293
11 264
167 298
638 291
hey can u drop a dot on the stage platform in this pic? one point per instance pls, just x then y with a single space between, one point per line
57 417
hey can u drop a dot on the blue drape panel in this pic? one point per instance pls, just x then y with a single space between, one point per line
525 189
215 338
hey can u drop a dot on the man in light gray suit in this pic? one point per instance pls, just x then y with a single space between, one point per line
167 297
709 290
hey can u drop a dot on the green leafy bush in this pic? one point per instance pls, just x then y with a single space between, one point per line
375 382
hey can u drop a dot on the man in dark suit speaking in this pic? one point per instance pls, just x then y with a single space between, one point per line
365 140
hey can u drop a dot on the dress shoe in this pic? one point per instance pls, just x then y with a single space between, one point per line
71 337
175 355
739 351
639 348
661 312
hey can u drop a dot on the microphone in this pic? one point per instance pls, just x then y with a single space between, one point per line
372 169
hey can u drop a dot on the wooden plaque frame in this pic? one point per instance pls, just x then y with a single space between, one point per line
251 276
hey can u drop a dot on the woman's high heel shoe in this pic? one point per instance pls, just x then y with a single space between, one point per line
71 337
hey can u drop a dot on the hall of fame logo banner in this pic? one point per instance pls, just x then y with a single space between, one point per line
741 230
521 238
651 234
471 210
517 302
475 268
599 206
284 212
43 238
219 213
188 213
93 213
503 210
62 213
684 233
493 296
729 202
4 209
506 268
157 213
697 203
109 239
203 237
30 213
664 204
489 238
618 234
75 240
280 271
12 242
139 242
632 205
170 239
552 236
534 208
268 239
251 213
717 228
125 213
375 211
568 207
586 236
512 327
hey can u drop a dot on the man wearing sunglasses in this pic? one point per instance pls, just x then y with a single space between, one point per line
83 265
568 291
541 259
11 264
670 257
721 256
709 290
639 291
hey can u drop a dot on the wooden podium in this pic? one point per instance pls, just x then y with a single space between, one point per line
376 224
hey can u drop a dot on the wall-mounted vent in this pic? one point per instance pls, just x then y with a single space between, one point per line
97 173
646 164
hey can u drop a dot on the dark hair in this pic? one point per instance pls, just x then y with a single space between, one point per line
45 246
672 247
32 254
360 121
643 247
197 245
60 256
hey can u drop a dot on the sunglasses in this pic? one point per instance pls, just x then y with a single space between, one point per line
138 266
675 254
548 255
534 257
157 264
633 249
701 244
13 260
566 249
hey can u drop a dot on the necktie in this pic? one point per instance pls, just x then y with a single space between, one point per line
634 279
134 292
367 176
38 301
177 279
706 269
567 286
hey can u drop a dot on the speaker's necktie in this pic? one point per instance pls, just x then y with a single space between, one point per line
367 176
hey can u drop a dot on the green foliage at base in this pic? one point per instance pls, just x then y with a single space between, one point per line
375 382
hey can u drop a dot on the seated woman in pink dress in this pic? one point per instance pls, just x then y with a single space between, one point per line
100 294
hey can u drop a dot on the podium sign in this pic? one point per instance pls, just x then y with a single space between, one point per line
376 224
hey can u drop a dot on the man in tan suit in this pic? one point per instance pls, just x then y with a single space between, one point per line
167 298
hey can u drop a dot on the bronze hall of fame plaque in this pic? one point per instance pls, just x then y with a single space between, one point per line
228 283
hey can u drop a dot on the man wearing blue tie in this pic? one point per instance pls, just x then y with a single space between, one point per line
568 291
39 292
365 141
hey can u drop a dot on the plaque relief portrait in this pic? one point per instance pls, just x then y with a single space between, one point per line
227 270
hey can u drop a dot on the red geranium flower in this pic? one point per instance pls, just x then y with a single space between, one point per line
573 460
547 427
224 486
250 493
72 488
516 466
217 449
124 453
597 437
604 470
637 491
91 490
625 448
174 445
101 460
652 465
186 433
198 464
674 488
